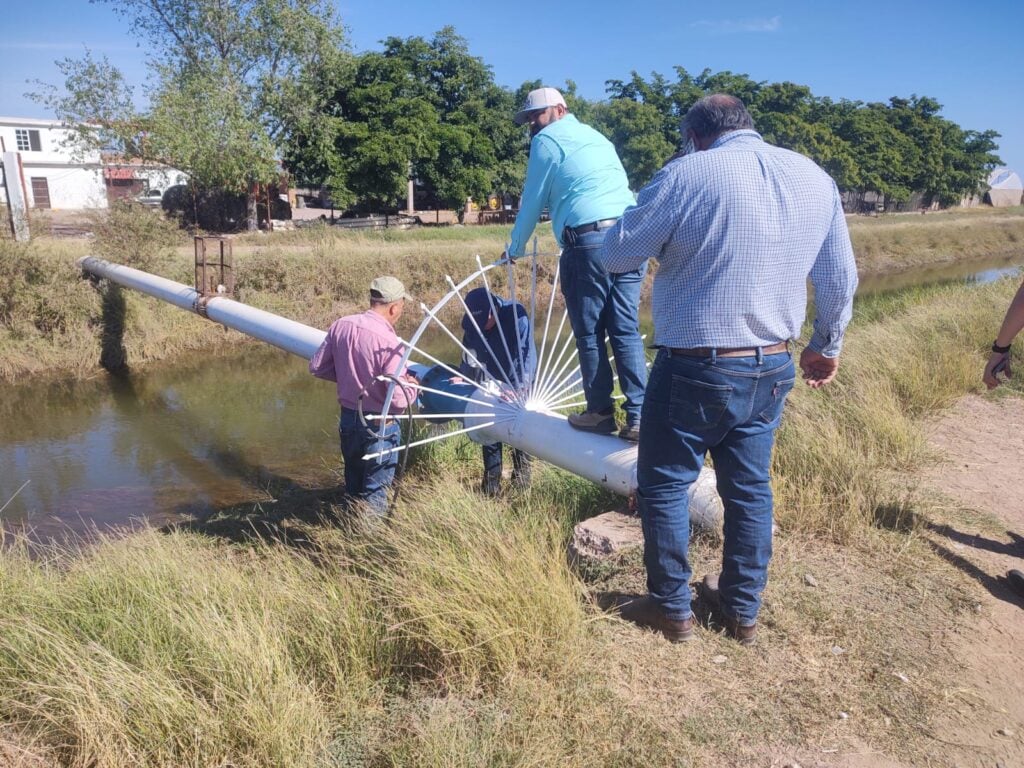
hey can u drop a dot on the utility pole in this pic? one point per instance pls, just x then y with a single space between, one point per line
14 189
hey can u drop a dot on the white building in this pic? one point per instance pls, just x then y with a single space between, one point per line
55 176
59 174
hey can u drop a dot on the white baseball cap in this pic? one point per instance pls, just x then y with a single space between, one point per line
541 98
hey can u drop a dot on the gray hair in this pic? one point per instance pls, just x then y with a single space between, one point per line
715 114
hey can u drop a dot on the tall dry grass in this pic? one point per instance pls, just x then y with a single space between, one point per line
50 322
905 362
457 631
894 242
459 635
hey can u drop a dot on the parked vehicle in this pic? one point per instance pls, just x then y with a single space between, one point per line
151 198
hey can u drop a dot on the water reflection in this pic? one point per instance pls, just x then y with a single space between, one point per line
199 435
976 271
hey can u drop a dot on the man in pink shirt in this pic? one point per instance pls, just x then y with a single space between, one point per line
357 350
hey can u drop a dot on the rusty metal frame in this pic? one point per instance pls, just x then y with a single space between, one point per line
214 276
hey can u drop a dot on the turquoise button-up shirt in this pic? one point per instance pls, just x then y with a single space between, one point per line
575 172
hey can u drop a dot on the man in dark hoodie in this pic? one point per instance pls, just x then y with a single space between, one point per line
498 335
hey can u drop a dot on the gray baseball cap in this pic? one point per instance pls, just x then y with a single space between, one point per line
541 98
388 289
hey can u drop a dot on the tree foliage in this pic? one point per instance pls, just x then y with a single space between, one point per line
235 87
224 78
425 106
893 149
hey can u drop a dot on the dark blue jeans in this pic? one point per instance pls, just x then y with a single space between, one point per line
367 481
493 464
730 406
602 307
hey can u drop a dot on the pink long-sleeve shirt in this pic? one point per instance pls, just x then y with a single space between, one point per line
357 349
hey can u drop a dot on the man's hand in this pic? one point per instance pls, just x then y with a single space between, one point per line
818 369
998 362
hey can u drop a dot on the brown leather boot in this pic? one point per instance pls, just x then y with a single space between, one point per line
745 636
647 613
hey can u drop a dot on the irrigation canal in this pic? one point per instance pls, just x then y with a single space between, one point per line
203 433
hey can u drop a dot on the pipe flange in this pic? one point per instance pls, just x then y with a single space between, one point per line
200 306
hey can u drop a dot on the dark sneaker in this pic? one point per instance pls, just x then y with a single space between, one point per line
646 613
1016 579
593 421
630 432
746 636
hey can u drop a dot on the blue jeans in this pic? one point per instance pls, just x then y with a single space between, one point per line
730 406
367 481
493 464
604 306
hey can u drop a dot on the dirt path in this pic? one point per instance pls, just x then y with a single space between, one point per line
982 441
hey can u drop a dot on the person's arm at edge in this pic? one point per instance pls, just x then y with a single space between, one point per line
834 276
539 173
642 231
1013 322
321 364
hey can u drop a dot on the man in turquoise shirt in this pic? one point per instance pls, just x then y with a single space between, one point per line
575 172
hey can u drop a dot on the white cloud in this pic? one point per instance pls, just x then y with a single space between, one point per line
736 26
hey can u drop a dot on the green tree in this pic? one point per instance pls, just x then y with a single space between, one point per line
637 131
461 88
428 103
224 79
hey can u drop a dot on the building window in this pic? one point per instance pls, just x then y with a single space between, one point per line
28 141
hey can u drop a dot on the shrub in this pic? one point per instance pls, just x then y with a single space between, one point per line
130 233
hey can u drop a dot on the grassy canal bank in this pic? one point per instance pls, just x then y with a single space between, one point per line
461 636
52 322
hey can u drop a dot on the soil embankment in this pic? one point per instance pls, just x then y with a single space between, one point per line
981 442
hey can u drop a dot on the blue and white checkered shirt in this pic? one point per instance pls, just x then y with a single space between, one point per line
737 230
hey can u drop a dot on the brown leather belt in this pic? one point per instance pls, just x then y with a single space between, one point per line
774 349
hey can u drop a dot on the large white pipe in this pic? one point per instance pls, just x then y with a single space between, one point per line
603 459
299 339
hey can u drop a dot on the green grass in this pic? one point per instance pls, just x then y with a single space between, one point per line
908 361
460 628
460 635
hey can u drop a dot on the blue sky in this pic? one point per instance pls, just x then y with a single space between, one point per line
970 57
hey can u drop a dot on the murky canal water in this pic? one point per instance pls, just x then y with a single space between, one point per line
174 440
979 271
203 433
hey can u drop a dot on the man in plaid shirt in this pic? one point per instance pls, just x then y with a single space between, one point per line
737 226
